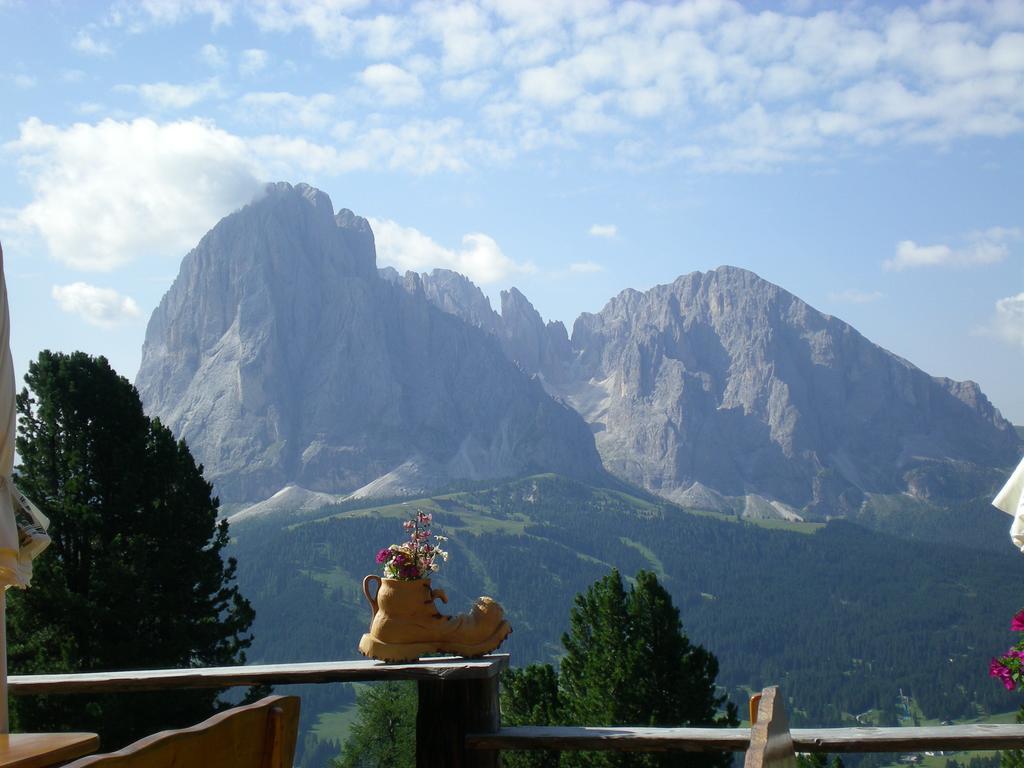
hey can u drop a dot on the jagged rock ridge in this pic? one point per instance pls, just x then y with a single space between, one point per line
281 356
724 391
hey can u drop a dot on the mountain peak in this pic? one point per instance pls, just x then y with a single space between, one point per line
281 355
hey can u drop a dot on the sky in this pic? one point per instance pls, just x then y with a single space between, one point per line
867 157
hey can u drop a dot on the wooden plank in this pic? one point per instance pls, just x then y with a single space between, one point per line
443 668
944 737
260 735
626 739
41 750
771 745
613 739
447 710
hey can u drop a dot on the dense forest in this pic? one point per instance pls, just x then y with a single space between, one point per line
844 616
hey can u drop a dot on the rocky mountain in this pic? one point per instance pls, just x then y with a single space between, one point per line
724 391
286 358
282 356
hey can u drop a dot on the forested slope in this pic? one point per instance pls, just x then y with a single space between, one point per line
840 615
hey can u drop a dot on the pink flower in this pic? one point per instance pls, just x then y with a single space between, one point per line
997 669
1017 625
383 556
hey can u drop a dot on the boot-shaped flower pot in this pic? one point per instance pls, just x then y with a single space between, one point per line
406 623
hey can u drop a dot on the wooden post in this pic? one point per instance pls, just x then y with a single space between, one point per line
448 710
771 744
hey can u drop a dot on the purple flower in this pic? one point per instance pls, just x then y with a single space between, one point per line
1017 625
383 556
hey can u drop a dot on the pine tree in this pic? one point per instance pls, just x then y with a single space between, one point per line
384 733
596 672
529 696
135 577
628 662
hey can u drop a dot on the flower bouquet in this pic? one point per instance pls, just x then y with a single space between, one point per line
416 558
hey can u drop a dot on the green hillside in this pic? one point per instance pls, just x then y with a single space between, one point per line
840 615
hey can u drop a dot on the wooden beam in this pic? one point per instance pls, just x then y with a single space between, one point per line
444 668
958 738
613 739
932 738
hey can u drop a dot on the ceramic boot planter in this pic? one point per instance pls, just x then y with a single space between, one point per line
406 623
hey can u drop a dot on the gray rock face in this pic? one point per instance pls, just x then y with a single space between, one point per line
726 379
281 355
535 346
722 387
457 295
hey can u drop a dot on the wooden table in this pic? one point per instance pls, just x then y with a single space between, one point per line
42 750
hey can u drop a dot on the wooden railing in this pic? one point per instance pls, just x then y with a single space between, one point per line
458 721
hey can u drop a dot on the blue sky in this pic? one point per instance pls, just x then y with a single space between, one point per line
867 157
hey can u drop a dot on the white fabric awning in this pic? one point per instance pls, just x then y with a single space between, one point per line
17 548
1011 501
8 419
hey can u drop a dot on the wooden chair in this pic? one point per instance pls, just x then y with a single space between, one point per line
260 735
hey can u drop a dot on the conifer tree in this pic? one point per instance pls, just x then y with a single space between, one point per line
628 662
529 696
384 733
135 577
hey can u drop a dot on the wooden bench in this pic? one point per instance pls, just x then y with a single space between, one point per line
260 735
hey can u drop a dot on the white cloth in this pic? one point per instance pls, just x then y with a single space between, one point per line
1011 501
18 548
9 567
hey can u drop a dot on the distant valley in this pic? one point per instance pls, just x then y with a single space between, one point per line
843 615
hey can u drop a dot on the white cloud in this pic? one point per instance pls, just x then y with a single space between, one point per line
85 43
986 247
385 37
855 296
585 267
464 30
109 193
549 86
1009 320
253 60
603 230
391 85
175 11
740 89
480 258
174 95
104 307
284 108
329 21
424 146
213 56
467 88
417 146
